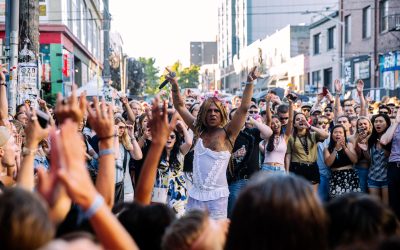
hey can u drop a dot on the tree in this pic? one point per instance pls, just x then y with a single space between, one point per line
151 78
135 76
188 77
29 24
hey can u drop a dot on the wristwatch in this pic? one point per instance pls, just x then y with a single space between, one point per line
27 151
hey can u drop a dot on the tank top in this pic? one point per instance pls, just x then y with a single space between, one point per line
209 173
278 154
341 160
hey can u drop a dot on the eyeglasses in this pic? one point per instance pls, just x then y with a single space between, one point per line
283 118
323 123
305 110
327 110
172 136
253 112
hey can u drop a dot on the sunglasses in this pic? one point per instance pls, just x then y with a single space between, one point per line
383 113
253 112
306 110
323 123
122 127
283 118
172 136
327 110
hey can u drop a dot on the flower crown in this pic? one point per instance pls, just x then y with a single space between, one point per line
215 95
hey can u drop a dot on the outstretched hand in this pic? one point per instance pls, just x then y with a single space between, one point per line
34 132
360 86
70 107
159 126
253 74
338 86
171 77
101 119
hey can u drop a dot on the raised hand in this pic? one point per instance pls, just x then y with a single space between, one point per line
253 74
159 126
73 173
360 86
171 77
101 119
338 86
3 71
34 133
70 108
124 100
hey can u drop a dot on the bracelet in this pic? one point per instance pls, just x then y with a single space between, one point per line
94 207
3 84
107 137
107 151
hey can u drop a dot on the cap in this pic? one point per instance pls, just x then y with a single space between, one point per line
306 105
4 136
316 110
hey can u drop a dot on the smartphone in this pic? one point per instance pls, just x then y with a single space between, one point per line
43 118
324 91
291 97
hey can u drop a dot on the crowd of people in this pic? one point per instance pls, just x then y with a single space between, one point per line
200 172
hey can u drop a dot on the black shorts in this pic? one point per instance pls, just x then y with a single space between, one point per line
309 171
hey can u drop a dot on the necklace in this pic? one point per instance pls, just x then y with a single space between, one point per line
304 143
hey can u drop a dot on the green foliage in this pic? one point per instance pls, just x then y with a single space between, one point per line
188 77
150 75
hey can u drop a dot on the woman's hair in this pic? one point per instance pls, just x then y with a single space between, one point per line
364 118
24 220
139 125
200 125
358 217
184 232
173 155
125 139
332 143
375 136
276 211
295 131
270 145
146 224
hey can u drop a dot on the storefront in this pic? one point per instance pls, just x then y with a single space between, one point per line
389 65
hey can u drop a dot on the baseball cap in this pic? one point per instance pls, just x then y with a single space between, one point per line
4 136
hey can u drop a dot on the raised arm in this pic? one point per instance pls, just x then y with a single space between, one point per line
388 135
268 110
265 131
102 122
185 147
321 133
289 126
239 118
179 103
3 97
338 91
360 92
129 111
160 129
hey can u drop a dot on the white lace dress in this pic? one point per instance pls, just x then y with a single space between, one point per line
210 186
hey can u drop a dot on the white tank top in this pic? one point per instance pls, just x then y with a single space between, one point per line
209 173
278 154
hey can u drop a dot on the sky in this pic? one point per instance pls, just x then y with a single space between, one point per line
163 29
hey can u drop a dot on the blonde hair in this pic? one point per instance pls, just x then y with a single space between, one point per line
201 123
125 139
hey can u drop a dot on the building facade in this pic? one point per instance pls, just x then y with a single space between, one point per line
325 55
71 47
202 53
242 22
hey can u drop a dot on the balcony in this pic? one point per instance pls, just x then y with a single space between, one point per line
394 22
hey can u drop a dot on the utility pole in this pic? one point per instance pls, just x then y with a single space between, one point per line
106 31
12 42
29 20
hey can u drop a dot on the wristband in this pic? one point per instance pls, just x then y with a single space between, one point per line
94 207
107 151
3 84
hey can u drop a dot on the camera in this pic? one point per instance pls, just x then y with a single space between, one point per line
292 97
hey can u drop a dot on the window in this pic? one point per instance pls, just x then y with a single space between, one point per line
384 12
366 25
316 78
328 78
331 38
316 42
347 29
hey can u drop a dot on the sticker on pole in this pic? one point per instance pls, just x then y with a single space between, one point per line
27 83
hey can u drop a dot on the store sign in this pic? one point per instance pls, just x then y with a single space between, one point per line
362 70
27 74
347 72
390 62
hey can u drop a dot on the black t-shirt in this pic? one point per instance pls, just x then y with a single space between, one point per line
137 164
245 155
